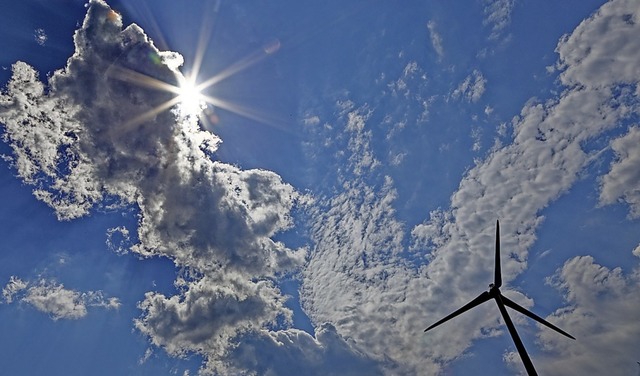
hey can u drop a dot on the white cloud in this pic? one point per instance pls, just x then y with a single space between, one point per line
118 240
623 180
352 279
14 286
54 299
104 129
603 48
224 321
311 120
201 213
147 354
471 88
497 15
57 301
515 182
602 315
436 39
476 136
40 36
210 313
362 159
295 352
355 278
401 85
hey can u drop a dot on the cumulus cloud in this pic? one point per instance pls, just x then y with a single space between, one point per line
471 88
602 314
54 299
77 144
623 180
293 351
225 321
602 49
311 120
106 128
209 313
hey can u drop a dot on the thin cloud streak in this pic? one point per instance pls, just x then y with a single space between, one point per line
436 39
498 16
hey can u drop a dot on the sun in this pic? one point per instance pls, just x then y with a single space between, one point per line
191 101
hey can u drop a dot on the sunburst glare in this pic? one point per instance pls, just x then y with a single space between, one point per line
191 102
191 99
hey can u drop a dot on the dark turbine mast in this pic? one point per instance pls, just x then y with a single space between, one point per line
502 301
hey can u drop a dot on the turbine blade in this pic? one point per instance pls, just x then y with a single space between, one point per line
498 273
528 364
475 302
513 305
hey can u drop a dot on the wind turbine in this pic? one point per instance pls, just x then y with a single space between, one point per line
502 301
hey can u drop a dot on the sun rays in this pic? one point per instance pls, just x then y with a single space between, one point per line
191 95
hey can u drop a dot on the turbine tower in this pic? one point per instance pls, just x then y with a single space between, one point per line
502 301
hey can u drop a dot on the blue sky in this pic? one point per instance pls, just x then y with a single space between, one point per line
336 195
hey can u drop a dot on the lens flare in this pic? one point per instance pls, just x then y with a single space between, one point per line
190 99
191 102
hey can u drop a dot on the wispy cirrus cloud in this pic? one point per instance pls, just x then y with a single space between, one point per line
497 16
436 38
471 88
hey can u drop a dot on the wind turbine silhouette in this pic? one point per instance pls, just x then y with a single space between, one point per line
502 301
